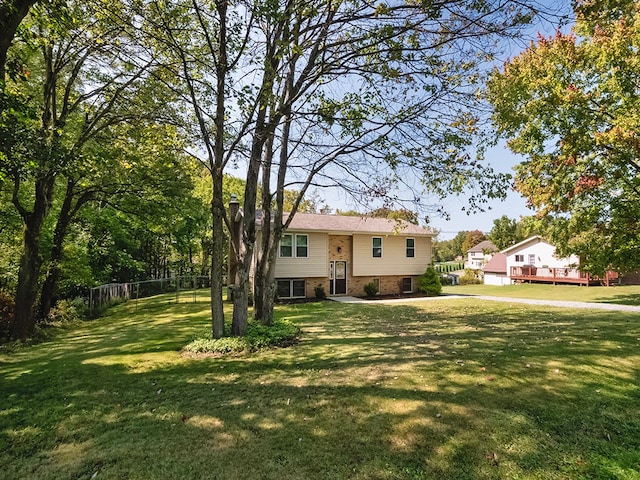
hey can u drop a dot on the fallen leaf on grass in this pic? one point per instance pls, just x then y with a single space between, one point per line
493 459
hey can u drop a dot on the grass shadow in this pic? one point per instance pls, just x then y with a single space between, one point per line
452 389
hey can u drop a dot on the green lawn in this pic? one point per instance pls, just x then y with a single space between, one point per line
441 389
627 294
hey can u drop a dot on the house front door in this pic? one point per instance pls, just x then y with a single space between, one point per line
338 278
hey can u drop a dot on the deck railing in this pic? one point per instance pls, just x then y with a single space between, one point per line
530 273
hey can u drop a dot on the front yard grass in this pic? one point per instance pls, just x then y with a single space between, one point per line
440 389
621 294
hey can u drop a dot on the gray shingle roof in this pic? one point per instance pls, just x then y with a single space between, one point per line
485 245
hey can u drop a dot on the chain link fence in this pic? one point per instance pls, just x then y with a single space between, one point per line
110 294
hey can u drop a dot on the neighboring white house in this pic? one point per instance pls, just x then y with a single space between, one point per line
480 254
531 256
537 252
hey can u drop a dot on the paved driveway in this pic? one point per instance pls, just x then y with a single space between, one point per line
529 301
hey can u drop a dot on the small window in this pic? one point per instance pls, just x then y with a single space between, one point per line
411 247
532 259
298 289
376 243
520 258
286 246
407 285
284 289
288 288
302 246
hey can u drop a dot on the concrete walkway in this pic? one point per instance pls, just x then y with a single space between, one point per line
528 301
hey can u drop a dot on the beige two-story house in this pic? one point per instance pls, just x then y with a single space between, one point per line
344 253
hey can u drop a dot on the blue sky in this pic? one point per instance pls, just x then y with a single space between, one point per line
514 206
500 158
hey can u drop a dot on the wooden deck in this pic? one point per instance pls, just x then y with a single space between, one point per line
531 274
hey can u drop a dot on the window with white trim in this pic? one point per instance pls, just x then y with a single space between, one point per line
520 258
532 259
291 288
286 246
294 246
302 246
376 244
407 285
410 247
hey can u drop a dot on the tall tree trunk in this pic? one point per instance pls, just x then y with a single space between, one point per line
260 148
25 319
272 232
66 215
31 260
270 244
12 13
260 281
51 281
245 257
216 168
217 258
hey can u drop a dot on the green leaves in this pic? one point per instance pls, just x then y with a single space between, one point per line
570 105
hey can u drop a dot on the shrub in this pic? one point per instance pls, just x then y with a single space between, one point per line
429 282
7 311
446 280
470 277
371 289
64 311
320 293
281 334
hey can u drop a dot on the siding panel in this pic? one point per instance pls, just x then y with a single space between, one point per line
394 260
315 265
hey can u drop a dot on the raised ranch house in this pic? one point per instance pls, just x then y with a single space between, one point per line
534 260
344 253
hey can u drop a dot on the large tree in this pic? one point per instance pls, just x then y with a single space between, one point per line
472 239
348 94
367 98
83 79
204 45
570 104
132 168
504 232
